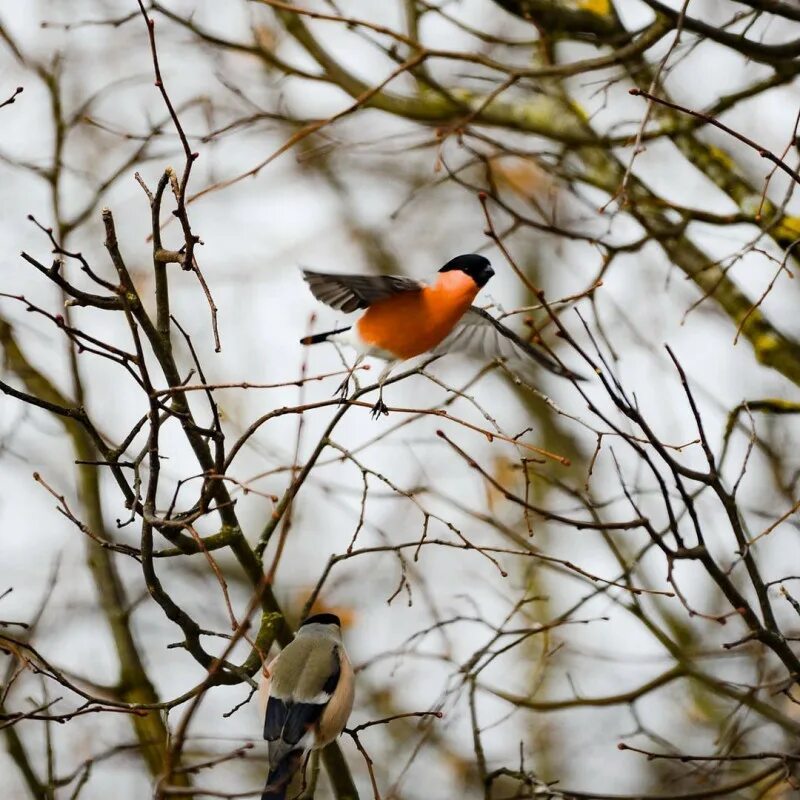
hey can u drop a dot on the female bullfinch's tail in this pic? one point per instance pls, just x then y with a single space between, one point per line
323 337
279 778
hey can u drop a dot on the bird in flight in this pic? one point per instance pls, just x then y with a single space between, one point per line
406 318
310 698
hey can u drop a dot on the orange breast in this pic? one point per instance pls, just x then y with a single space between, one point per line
411 323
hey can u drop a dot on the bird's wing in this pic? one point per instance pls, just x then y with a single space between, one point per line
480 335
350 292
291 718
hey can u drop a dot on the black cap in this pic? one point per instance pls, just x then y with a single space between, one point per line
322 619
472 264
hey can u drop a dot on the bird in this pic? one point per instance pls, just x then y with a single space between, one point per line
405 317
311 690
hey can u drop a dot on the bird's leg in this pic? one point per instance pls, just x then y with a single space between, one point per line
343 390
380 407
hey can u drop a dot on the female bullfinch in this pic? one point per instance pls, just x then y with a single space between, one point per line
310 699
405 318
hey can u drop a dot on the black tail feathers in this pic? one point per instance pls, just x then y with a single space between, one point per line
323 337
279 778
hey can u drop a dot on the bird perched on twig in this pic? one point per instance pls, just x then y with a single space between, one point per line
406 317
310 699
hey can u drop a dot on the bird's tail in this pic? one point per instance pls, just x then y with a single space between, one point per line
323 337
280 776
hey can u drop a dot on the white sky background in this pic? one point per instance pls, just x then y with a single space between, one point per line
256 234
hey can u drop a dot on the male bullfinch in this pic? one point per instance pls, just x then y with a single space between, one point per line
310 699
405 318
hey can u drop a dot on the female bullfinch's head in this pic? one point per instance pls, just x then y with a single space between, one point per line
321 625
477 267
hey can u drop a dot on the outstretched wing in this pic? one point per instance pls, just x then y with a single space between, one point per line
350 292
480 335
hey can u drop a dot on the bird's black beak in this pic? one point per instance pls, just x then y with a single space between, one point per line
484 275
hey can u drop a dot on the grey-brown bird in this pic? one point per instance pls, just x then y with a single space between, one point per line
311 692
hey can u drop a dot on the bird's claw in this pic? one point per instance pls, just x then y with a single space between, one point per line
343 390
379 408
